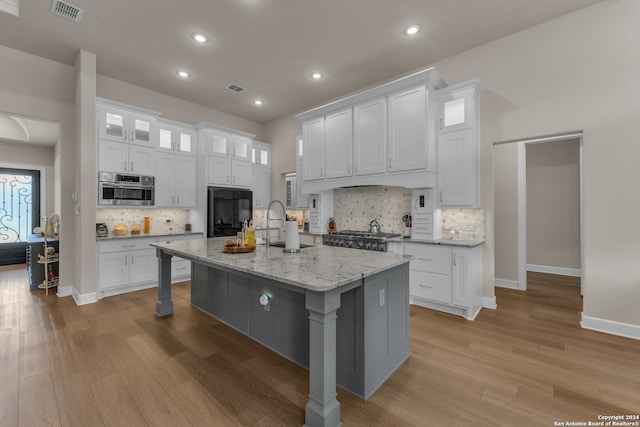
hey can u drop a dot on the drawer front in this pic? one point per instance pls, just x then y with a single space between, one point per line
429 258
180 267
124 245
435 287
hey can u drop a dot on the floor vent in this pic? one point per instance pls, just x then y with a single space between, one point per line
67 11
235 88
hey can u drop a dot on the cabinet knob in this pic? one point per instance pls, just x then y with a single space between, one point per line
264 299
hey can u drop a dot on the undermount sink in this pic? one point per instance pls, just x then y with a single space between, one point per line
282 245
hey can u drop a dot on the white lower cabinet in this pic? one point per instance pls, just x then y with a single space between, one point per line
445 278
125 263
130 264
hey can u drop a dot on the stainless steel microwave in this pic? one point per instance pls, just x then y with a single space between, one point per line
129 190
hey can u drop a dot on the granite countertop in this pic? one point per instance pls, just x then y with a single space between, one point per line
111 236
317 268
445 242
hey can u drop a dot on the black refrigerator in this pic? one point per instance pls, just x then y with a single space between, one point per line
226 209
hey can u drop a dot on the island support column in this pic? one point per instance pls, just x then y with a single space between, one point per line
164 305
323 409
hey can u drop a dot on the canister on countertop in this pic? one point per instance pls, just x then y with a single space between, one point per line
147 224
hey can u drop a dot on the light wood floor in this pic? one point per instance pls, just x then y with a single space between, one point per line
528 363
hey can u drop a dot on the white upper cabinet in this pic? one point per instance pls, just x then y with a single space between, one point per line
217 143
370 137
261 179
241 148
299 147
302 200
261 154
338 128
176 139
314 148
126 158
458 145
455 110
457 169
407 143
120 125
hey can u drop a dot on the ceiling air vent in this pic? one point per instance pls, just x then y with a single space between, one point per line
67 11
235 88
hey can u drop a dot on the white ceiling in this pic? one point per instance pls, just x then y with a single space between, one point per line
269 47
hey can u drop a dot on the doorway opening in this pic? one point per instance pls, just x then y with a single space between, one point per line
19 212
538 208
551 225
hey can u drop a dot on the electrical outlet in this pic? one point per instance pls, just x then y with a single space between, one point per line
468 227
168 221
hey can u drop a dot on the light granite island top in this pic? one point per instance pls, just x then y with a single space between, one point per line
340 312
317 268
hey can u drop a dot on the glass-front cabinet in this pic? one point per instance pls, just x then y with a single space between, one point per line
455 110
176 138
120 125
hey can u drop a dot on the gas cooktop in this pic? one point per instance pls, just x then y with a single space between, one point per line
365 234
358 240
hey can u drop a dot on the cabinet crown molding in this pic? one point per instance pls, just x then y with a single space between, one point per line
211 126
129 108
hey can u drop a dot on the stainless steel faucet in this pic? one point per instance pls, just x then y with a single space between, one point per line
269 219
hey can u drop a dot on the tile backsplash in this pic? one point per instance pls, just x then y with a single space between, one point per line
466 224
355 207
159 217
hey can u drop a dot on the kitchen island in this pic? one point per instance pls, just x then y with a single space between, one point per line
342 313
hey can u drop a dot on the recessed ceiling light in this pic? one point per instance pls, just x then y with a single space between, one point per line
412 29
317 75
183 74
257 101
199 37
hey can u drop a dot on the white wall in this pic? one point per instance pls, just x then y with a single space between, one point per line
505 163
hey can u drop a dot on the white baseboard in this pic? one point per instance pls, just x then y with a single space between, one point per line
611 327
64 291
562 271
505 283
83 299
489 302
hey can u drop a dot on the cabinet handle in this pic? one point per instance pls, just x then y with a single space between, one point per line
227 178
234 152
124 133
454 260
125 165
424 286
424 259
390 163
132 135
178 199
133 258
173 200
349 169
355 167
128 246
321 171
441 197
131 165
234 179
440 124
125 260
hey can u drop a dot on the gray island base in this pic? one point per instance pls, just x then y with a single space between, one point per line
341 313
